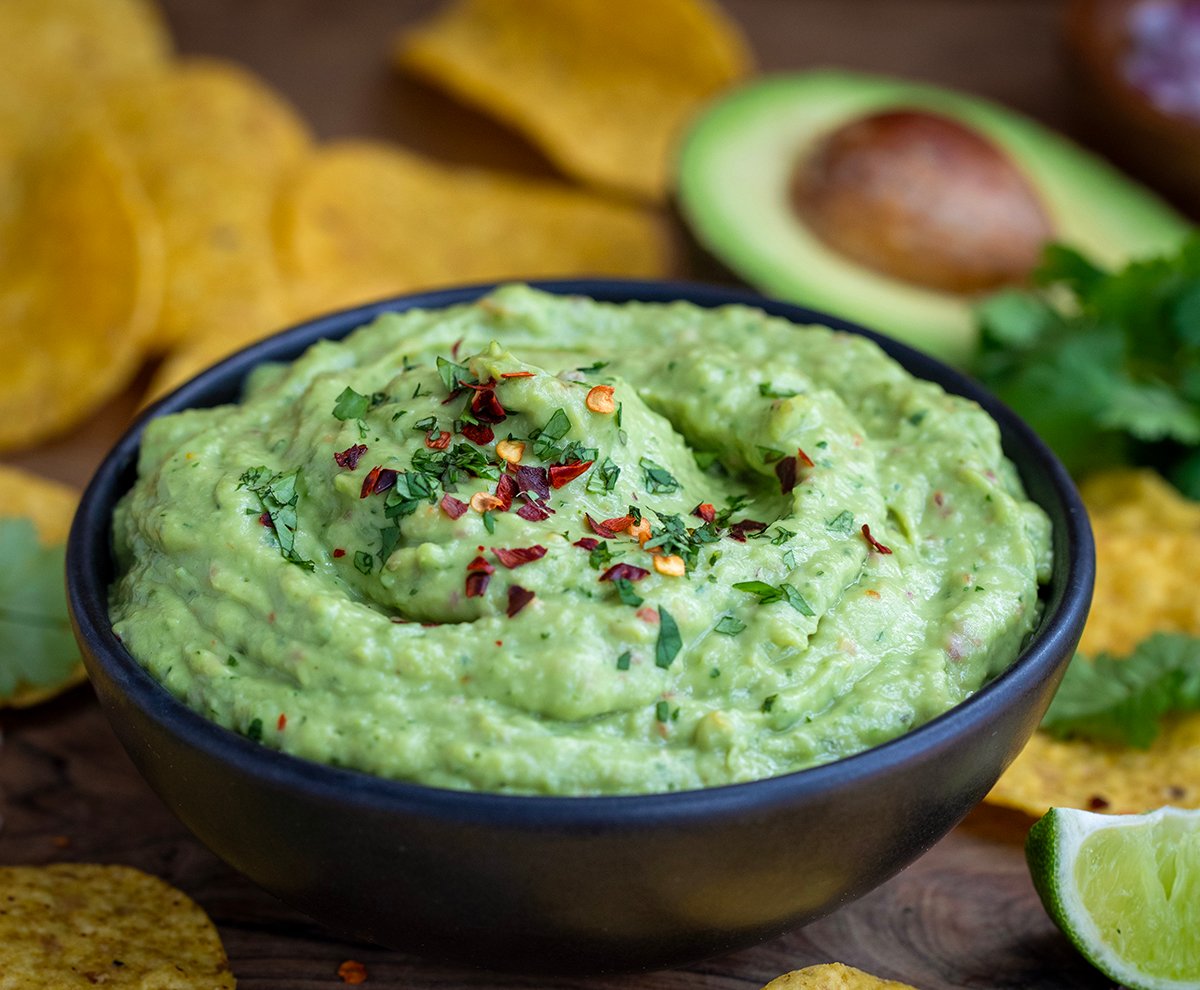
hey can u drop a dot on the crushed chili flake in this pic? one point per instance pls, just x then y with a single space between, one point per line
787 470
281 722
534 510
610 528
266 520
670 565
533 479
478 433
600 400
626 571
486 502
485 407
1097 803
875 544
348 458
453 507
506 489
804 459
647 614
742 527
481 564
510 451
706 511
439 442
352 971
519 555
454 348
561 474
516 374
518 598
339 552
378 479
588 543
477 583
640 531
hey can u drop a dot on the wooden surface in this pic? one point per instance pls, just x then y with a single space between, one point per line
965 915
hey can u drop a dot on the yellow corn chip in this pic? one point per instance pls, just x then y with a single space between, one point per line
50 506
82 925
80 283
211 144
603 88
363 221
832 976
1146 533
58 55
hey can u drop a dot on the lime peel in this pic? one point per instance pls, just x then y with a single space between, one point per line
1125 889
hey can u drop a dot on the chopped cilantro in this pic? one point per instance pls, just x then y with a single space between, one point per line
351 405
770 454
623 660
769 593
730 625
364 561
669 642
603 478
662 711
626 593
843 522
602 556
279 498
452 375
254 730
769 702
545 440
769 391
599 365
658 479
489 521
782 536
426 424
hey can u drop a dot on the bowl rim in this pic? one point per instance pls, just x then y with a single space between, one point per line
89 559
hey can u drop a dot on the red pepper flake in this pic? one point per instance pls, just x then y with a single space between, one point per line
647 614
348 458
533 479
516 374
281 723
454 348
478 433
452 506
706 511
610 529
535 510
1097 803
266 520
479 574
787 470
439 442
378 479
352 971
739 529
506 490
485 407
875 544
519 555
518 598
561 474
339 552
626 571
588 543
804 459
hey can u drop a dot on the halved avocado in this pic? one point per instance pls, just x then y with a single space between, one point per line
736 175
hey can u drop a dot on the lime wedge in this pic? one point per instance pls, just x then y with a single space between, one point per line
1125 889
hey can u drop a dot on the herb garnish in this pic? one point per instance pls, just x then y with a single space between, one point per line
279 498
730 625
769 593
669 641
658 480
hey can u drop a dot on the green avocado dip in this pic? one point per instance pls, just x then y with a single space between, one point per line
538 544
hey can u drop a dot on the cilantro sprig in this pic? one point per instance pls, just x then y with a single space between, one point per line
1104 365
1123 700
279 497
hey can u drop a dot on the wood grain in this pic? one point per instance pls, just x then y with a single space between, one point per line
965 915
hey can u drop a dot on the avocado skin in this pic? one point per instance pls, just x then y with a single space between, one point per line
734 168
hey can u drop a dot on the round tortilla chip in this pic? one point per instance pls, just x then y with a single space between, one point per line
80 925
50 507
211 144
603 88
833 976
80 283
363 221
64 53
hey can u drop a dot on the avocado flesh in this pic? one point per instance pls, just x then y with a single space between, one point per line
736 162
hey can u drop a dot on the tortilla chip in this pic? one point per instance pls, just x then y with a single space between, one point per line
57 55
602 88
363 221
81 925
50 506
211 144
80 283
1145 536
832 976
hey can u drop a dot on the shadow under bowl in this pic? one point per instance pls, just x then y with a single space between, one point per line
582 884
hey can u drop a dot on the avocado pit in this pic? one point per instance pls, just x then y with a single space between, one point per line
923 199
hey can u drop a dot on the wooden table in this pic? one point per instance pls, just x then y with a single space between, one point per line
965 915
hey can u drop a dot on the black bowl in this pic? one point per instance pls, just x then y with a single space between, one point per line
585 883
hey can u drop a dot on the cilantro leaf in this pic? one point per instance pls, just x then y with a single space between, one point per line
669 641
1115 700
657 478
36 646
1105 366
279 498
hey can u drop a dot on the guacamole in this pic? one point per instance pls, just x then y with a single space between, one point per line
539 544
